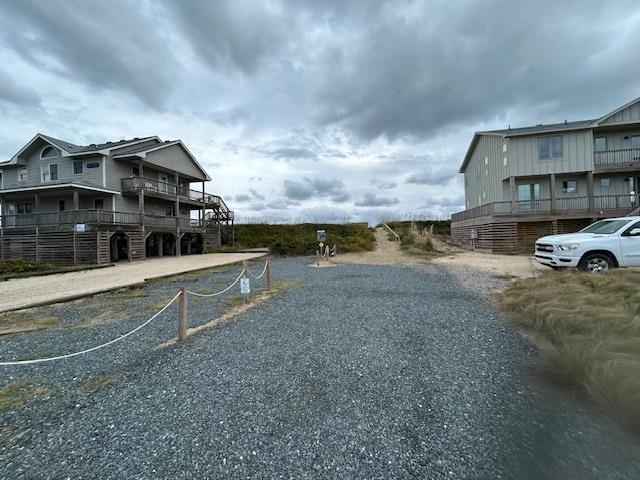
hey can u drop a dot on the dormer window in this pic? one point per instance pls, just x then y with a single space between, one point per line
49 152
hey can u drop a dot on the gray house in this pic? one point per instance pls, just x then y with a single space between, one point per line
122 200
522 183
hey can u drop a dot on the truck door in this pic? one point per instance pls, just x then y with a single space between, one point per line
630 246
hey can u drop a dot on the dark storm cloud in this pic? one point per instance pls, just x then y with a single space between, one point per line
104 44
236 35
440 65
432 177
291 153
16 94
373 200
383 185
256 194
316 188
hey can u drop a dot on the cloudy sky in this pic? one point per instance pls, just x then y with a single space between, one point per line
313 109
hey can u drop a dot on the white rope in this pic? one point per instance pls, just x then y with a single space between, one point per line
122 337
220 292
266 264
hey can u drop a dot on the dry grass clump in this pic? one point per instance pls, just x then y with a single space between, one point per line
17 393
416 240
590 325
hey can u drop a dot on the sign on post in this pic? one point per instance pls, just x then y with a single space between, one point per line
80 227
245 286
321 236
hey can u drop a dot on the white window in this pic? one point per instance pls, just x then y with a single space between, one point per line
50 172
504 147
77 167
600 144
504 161
569 186
486 166
529 191
605 182
49 152
24 208
549 147
22 174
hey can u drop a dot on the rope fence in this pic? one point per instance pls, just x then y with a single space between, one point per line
181 296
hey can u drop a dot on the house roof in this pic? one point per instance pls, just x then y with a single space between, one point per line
135 146
541 128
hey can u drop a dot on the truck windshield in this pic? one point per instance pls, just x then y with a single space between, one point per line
605 226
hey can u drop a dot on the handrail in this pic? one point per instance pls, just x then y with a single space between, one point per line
616 157
394 233
577 204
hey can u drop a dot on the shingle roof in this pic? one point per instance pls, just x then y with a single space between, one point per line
72 148
551 127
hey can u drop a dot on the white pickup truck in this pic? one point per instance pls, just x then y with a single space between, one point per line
610 243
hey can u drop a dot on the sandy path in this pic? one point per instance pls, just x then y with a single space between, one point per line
31 291
453 258
385 253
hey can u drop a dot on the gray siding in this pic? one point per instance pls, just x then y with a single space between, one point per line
115 171
616 140
577 155
175 158
89 176
629 114
483 183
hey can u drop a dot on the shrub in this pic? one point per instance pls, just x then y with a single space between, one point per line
591 331
300 239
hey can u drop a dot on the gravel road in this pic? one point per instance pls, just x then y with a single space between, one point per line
360 371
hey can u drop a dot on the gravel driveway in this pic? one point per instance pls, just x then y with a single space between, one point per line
360 371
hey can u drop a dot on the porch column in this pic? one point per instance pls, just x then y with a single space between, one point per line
36 202
203 205
512 190
177 207
160 245
592 203
552 191
141 194
76 200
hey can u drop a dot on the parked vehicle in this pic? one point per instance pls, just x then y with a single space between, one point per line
610 243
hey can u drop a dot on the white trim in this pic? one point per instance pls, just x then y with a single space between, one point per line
144 153
56 149
104 172
14 159
617 110
60 185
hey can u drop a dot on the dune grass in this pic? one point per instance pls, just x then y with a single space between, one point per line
416 238
590 331
300 239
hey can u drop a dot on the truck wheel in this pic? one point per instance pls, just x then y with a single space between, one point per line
596 263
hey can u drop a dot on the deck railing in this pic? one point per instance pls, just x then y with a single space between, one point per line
615 158
618 204
96 217
135 184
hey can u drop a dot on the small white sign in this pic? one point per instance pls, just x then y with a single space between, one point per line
79 227
245 287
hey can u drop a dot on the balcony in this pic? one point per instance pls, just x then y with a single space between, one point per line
616 160
98 218
602 205
169 191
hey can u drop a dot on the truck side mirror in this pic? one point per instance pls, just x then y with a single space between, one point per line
634 232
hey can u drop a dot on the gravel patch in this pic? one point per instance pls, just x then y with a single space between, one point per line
358 372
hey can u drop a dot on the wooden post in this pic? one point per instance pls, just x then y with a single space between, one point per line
245 265
552 191
37 240
512 189
182 314
591 200
75 246
269 273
